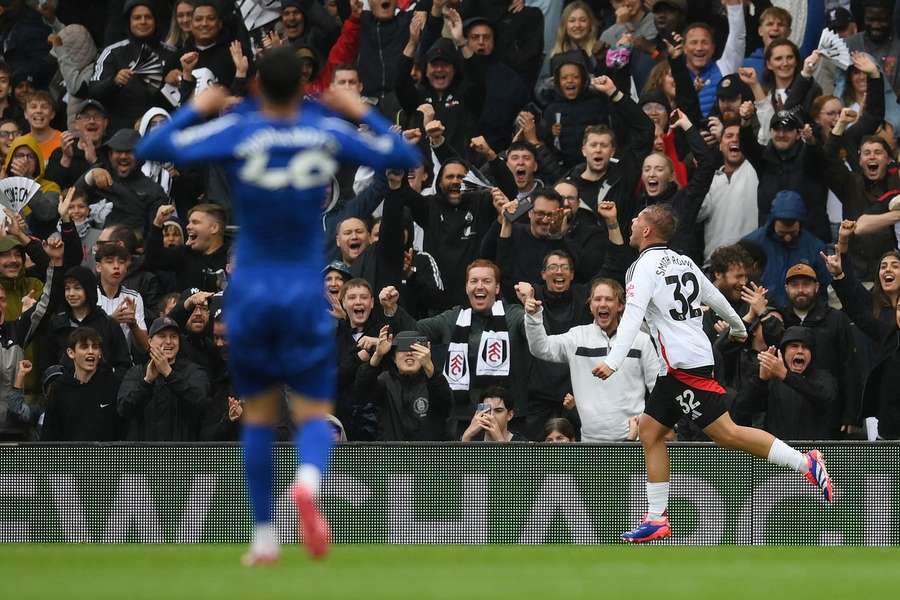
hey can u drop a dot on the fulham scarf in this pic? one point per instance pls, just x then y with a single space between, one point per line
493 350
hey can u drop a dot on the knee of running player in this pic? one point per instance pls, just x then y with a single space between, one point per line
651 431
724 432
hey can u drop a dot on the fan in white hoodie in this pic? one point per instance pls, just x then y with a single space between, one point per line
605 406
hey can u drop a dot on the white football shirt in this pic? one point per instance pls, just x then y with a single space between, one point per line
667 289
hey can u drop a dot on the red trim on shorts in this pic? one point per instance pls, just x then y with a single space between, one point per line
707 384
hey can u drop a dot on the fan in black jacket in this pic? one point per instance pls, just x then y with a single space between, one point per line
125 93
795 396
209 57
392 261
79 287
411 397
81 406
454 220
164 399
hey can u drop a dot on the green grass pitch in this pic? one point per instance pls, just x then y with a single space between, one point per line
199 572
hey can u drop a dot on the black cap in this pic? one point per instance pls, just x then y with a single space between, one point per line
162 323
786 119
92 104
295 3
123 140
676 4
339 266
476 21
21 77
798 333
731 87
838 19
655 97
442 50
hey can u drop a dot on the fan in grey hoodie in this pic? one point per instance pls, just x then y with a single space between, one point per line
74 50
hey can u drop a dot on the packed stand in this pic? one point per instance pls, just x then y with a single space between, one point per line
472 297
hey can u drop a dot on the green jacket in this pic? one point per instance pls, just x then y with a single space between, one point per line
439 329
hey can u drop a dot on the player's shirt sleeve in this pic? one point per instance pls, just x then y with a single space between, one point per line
380 148
638 293
187 139
713 298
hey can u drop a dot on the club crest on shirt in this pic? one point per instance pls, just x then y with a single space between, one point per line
420 406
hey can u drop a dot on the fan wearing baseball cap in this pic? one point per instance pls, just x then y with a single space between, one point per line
165 398
833 338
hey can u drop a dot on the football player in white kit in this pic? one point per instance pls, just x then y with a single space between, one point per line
667 289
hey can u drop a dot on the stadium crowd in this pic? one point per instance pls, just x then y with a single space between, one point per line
545 127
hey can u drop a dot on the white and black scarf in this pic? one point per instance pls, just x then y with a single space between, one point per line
493 350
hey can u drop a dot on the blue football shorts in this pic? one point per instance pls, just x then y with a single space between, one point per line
279 332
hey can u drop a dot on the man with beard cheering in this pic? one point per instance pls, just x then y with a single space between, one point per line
834 343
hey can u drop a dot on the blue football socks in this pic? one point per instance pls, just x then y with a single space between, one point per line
257 441
314 441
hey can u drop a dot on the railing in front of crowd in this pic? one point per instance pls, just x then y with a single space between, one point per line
446 493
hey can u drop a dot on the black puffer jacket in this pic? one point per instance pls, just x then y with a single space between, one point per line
588 108
127 103
170 409
409 408
797 408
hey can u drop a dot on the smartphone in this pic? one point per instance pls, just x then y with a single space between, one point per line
404 344
483 407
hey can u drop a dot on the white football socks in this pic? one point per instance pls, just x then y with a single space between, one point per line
264 539
782 454
657 500
309 476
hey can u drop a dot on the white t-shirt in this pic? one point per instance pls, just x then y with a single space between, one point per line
109 306
668 290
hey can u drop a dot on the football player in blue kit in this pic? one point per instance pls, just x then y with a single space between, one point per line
280 154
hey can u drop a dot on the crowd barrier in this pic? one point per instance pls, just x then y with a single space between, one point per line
446 494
